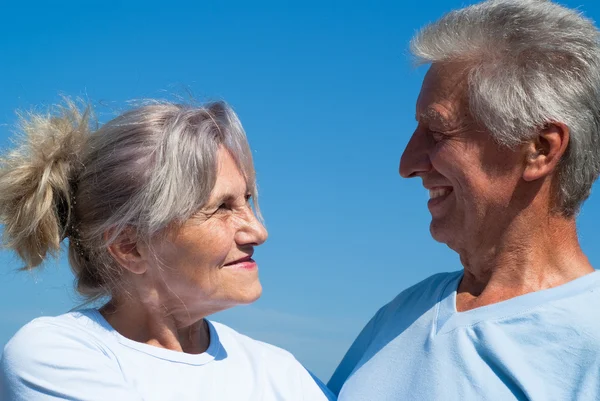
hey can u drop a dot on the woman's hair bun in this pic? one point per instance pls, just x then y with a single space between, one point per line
36 179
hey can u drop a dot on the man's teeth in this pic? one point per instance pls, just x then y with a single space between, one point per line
437 192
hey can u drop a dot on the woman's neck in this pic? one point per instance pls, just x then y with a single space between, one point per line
155 326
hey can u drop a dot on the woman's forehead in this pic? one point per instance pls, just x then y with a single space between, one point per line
230 179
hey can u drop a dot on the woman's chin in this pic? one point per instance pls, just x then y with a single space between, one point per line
251 295
246 296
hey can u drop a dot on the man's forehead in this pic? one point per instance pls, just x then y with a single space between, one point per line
445 82
442 96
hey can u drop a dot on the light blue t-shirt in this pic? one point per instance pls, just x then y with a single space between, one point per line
541 346
78 356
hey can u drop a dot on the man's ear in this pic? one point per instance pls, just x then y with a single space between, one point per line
125 249
544 151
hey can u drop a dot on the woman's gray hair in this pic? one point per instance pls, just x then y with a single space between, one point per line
530 63
149 169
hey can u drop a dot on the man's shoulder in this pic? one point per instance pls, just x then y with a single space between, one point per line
414 301
411 305
575 305
433 282
426 291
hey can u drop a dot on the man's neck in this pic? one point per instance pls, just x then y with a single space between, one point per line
546 256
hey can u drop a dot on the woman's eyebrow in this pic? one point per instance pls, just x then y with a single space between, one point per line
225 196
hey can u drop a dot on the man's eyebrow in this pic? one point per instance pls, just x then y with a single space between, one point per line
432 115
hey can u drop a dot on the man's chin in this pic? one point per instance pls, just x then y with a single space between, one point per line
442 232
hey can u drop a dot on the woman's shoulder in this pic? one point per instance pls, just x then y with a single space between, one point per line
62 335
230 337
286 373
63 357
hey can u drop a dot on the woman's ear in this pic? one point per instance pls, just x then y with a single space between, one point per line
544 151
125 249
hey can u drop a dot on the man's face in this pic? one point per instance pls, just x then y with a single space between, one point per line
470 178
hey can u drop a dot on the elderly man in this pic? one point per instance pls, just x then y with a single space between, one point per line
508 145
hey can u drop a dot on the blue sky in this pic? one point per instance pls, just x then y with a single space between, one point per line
326 93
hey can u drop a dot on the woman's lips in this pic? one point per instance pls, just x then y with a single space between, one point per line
245 263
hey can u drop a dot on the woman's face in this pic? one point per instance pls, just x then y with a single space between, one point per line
207 266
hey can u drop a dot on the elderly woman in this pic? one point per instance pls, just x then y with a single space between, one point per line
507 144
157 208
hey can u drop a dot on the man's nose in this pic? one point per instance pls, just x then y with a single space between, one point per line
415 159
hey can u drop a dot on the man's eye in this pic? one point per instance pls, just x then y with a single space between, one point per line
436 135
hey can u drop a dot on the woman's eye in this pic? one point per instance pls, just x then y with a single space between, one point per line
248 198
223 207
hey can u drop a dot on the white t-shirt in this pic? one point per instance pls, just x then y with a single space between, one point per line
78 356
